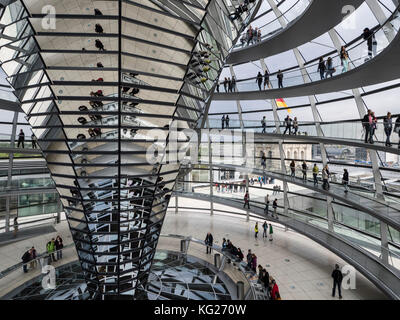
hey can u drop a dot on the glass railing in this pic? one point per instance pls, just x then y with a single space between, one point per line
357 52
348 130
271 28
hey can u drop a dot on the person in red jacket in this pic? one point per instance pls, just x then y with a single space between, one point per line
275 291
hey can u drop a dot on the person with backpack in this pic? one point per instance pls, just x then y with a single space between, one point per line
264 124
50 248
209 242
337 281
315 171
265 229
271 231
256 230
26 257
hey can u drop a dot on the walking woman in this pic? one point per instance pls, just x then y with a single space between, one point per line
321 68
344 58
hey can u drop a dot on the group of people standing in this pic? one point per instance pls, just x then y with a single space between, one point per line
370 122
229 85
267 230
21 140
53 246
263 80
251 36
225 122
291 123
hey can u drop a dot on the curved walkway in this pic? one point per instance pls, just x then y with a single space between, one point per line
384 277
382 68
381 211
311 24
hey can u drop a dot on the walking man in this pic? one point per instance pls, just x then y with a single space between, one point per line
209 242
223 122
288 124
304 169
21 139
337 281
256 230
280 79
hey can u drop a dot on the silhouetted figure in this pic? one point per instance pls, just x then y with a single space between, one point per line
21 139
